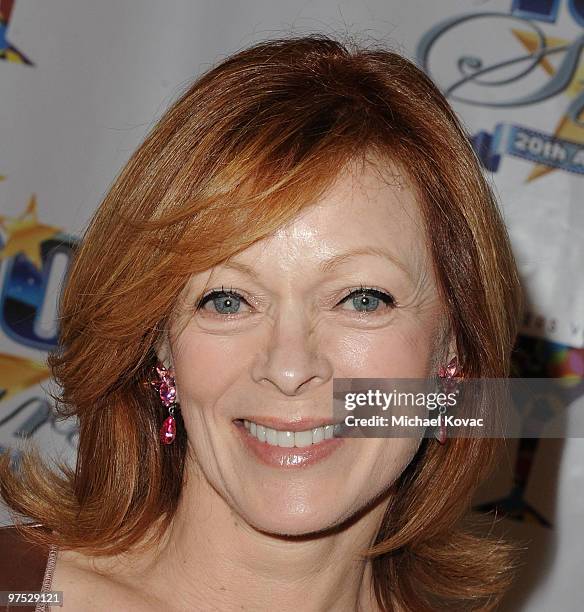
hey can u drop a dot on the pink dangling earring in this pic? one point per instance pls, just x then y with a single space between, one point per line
164 384
449 383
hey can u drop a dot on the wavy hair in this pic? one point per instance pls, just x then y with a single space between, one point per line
250 144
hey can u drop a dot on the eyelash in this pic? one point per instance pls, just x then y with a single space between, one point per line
386 298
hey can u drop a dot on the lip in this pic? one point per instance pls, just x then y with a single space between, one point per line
289 425
288 458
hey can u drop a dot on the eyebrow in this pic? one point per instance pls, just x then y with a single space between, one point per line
241 267
330 264
337 260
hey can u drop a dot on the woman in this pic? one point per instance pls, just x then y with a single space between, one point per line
306 210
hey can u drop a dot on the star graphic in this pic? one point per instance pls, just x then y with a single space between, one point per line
24 234
565 128
7 51
18 373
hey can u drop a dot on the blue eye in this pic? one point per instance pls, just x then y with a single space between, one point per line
363 299
367 299
224 302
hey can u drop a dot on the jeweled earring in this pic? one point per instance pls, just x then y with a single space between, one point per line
164 384
449 383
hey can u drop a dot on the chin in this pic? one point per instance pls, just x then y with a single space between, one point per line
295 524
297 515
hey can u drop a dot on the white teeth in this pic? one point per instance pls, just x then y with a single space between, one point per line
289 439
317 435
271 436
303 438
286 439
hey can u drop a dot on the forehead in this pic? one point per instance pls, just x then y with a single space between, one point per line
369 200
369 220
369 206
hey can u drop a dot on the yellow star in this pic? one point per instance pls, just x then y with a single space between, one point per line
10 54
566 128
17 374
24 234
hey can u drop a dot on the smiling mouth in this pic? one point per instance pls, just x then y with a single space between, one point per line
285 438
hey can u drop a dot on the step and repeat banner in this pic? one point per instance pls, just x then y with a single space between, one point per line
83 82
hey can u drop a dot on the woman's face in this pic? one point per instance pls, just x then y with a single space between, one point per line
267 349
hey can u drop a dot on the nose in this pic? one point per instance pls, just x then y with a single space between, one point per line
291 359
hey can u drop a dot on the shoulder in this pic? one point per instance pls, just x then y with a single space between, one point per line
89 582
92 583
22 563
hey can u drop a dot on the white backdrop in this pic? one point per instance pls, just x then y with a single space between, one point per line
83 82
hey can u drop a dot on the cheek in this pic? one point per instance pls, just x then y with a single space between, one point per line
396 352
206 364
394 457
379 462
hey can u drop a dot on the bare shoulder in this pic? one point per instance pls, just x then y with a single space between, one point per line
91 583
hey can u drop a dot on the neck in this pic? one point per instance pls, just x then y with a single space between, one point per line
211 558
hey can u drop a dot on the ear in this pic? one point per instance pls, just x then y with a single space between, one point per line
163 351
446 345
446 348
452 350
